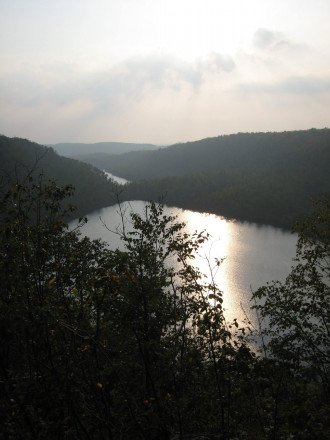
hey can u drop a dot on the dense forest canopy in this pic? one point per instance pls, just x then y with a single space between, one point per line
103 344
266 178
295 152
97 344
18 157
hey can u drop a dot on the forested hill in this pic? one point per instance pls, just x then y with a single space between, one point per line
260 177
19 156
293 151
266 178
77 149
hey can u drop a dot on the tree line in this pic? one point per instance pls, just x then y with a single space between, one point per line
259 197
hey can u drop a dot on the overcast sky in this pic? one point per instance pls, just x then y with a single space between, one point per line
162 71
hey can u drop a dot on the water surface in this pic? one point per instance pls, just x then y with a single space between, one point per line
253 254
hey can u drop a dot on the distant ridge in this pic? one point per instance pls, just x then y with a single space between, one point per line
77 148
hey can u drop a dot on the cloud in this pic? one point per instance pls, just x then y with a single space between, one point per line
130 80
217 62
304 85
105 88
296 85
270 40
264 38
161 97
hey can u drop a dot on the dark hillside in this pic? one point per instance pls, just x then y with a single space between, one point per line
75 149
259 177
294 152
265 177
20 156
257 197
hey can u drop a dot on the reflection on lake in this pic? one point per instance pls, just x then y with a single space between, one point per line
253 254
119 180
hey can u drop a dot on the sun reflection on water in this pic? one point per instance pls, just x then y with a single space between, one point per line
253 255
218 247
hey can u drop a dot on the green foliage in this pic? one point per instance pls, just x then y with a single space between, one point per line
101 344
298 310
297 321
104 344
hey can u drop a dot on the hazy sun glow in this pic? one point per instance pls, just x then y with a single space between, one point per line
189 29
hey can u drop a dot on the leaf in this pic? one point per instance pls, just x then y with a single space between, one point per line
52 280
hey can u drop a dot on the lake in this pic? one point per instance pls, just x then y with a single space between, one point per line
254 254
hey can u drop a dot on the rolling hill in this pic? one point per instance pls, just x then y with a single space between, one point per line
18 157
248 152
